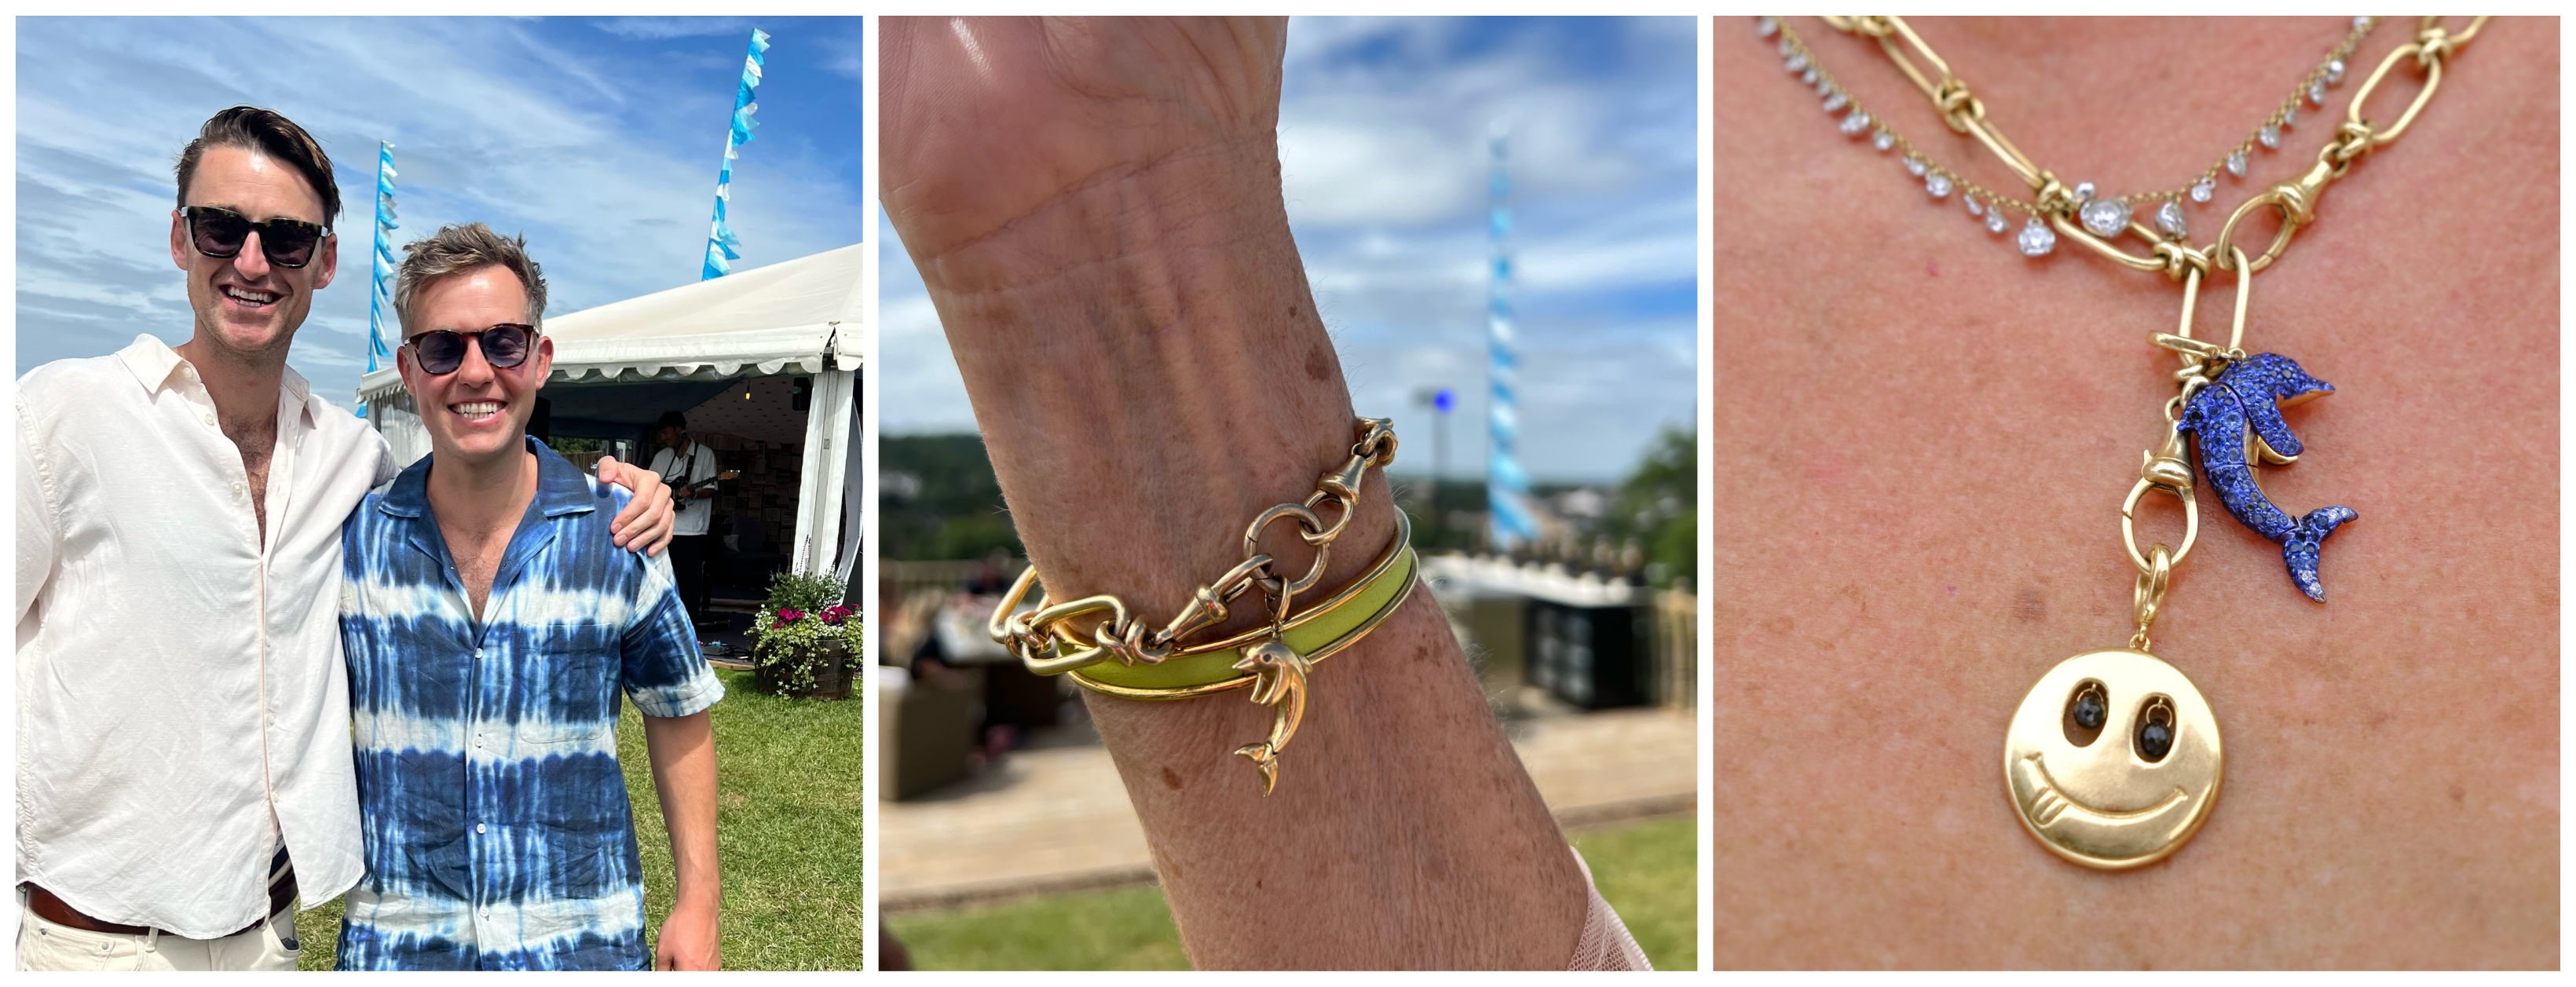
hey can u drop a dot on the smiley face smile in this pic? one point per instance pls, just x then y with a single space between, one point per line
2048 801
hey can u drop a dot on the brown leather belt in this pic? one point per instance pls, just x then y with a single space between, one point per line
281 896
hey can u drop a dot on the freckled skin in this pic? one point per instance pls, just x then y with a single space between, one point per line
1926 472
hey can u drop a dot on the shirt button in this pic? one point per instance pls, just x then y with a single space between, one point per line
487 911
478 652
210 419
478 827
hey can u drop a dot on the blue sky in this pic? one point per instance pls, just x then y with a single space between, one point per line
1382 132
598 138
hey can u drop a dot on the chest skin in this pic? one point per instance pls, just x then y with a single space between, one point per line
257 441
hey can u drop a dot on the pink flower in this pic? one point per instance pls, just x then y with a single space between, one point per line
835 614
788 616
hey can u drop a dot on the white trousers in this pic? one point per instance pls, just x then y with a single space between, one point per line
44 945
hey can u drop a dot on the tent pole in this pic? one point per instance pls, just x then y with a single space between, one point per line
818 498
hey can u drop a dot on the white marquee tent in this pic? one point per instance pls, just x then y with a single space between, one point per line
798 316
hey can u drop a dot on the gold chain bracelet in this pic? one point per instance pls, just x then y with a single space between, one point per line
1053 638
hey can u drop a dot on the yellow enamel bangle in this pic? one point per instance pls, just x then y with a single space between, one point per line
1107 650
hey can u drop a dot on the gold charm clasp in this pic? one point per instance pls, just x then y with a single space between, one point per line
1279 682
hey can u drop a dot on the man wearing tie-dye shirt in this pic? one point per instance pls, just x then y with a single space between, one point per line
490 627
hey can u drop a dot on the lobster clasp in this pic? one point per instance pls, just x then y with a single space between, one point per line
2168 469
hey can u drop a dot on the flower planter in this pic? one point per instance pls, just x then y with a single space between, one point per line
832 680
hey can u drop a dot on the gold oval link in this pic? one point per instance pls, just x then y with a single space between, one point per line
2148 599
2244 290
2460 40
1006 621
1306 519
2361 97
2228 254
1348 505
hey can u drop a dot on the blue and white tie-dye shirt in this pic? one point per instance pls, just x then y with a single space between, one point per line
497 830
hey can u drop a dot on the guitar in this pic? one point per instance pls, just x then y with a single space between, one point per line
684 491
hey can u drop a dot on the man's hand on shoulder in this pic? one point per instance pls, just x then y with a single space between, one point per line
688 940
647 521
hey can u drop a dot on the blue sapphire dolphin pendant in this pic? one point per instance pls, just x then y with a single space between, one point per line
2237 418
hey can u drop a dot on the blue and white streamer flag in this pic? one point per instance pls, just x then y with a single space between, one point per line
380 298
722 246
1506 485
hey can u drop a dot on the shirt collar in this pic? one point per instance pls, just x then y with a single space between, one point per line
153 361
561 487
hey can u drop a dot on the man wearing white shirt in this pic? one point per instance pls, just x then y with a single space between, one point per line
183 722
690 470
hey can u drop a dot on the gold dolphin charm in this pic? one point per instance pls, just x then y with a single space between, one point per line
1279 681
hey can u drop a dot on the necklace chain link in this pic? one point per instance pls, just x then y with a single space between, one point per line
2058 204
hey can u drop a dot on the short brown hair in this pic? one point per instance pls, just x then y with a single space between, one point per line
458 248
265 132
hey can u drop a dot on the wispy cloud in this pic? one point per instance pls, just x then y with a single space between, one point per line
1383 140
598 139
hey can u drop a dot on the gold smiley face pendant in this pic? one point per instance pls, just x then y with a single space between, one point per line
2112 760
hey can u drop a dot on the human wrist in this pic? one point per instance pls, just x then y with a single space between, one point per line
1149 374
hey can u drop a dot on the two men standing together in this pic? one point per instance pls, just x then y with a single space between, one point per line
212 606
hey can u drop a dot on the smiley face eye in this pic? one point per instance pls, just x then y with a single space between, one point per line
2086 711
2155 735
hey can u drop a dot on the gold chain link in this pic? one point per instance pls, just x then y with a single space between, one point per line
2296 200
1032 635
2167 468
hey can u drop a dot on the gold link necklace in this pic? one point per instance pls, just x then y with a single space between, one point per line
2113 758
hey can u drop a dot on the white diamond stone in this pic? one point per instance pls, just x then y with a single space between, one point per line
1973 208
2360 22
1914 167
2202 190
2036 239
1796 63
2105 217
1995 220
2317 92
2236 163
1835 102
1883 140
2334 69
2169 218
2270 135
1823 86
1937 184
2083 192
1854 124
1809 76
1786 48
2290 117
1764 27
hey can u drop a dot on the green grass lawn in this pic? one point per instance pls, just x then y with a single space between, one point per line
788 815
1647 870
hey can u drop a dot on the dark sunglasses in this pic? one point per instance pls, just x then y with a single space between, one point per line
439 351
221 232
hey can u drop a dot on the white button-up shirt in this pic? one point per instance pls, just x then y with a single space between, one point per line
182 703
696 464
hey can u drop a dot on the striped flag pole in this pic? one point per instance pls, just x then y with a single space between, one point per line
722 245
1506 486
380 295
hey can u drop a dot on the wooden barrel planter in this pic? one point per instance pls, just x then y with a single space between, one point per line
832 680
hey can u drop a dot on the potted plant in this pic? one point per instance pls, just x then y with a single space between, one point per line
802 639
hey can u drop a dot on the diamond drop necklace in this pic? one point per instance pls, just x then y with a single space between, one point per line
2112 760
2104 217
